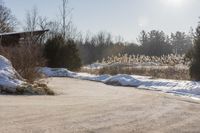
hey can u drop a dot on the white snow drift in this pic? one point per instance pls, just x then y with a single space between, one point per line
12 83
186 88
9 78
56 72
103 65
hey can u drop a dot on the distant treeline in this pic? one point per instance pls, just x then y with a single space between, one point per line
153 43
66 46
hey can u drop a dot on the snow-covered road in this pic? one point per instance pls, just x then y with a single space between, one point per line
90 107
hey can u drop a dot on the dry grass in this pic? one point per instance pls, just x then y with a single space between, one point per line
167 67
165 60
29 89
166 73
170 72
34 89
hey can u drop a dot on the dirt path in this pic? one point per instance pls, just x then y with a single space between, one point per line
90 107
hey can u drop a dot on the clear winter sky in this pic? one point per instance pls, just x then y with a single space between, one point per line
120 17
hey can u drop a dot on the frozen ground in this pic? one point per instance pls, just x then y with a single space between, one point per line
184 88
90 107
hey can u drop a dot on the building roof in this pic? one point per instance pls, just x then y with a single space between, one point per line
19 34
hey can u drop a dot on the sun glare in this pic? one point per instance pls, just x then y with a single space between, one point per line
174 3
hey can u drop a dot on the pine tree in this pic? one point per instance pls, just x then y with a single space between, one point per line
62 54
195 65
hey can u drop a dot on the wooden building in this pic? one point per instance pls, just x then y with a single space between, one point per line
17 38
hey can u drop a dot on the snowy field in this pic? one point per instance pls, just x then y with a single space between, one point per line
183 88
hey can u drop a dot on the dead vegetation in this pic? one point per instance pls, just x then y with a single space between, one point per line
169 72
166 73
35 89
165 60
28 89
25 59
167 67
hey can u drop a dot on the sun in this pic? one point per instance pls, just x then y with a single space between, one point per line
174 3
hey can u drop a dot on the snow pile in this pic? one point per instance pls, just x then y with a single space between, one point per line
145 65
86 76
56 72
9 78
95 66
149 64
186 88
123 80
117 64
62 72
12 83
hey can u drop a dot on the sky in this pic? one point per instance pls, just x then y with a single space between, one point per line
126 18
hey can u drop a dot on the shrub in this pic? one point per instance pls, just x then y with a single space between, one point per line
34 89
62 54
25 58
195 65
29 89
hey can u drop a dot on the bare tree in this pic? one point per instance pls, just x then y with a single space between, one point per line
31 20
64 16
35 22
66 19
43 23
7 20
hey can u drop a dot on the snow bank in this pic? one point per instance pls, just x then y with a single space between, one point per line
56 72
9 78
62 72
86 76
12 83
101 65
123 80
95 66
146 65
186 88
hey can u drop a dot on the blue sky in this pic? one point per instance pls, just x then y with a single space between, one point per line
120 17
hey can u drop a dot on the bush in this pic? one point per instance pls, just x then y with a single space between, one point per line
62 54
195 64
25 59
33 89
